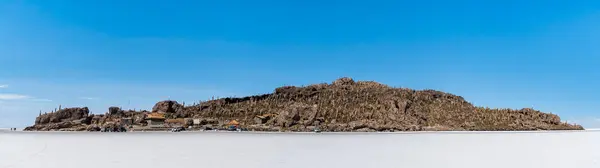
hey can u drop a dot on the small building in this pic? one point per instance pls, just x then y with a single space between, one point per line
233 124
155 119
196 121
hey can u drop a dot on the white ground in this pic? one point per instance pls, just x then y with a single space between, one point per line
301 150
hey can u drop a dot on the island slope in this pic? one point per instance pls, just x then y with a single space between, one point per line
344 105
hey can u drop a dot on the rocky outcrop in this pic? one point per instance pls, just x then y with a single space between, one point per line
172 108
348 105
80 119
344 105
167 106
61 119
115 111
62 115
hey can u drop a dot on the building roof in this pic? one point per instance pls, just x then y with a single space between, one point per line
233 122
156 116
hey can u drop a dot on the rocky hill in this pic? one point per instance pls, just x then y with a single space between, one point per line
343 105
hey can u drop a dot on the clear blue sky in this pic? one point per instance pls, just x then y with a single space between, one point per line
99 53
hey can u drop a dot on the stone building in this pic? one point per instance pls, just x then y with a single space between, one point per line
155 119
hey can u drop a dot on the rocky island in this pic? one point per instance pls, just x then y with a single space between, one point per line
344 105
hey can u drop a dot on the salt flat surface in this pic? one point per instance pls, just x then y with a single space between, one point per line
575 149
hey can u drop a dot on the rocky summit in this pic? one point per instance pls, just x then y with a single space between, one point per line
344 105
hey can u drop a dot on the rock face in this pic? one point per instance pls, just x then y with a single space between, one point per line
167 106
61 119
80 119
115 111
343 105
68 114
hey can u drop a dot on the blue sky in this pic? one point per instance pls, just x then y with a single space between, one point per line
100 53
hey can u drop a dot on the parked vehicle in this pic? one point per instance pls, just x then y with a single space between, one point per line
113 129
177 129
317 130
232 128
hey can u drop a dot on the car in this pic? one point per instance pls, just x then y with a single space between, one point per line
177 129
232 128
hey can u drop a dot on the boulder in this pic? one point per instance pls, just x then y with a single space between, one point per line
343 81
172 108
115 111
308 113
262 119
167 106
288 118
93 128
